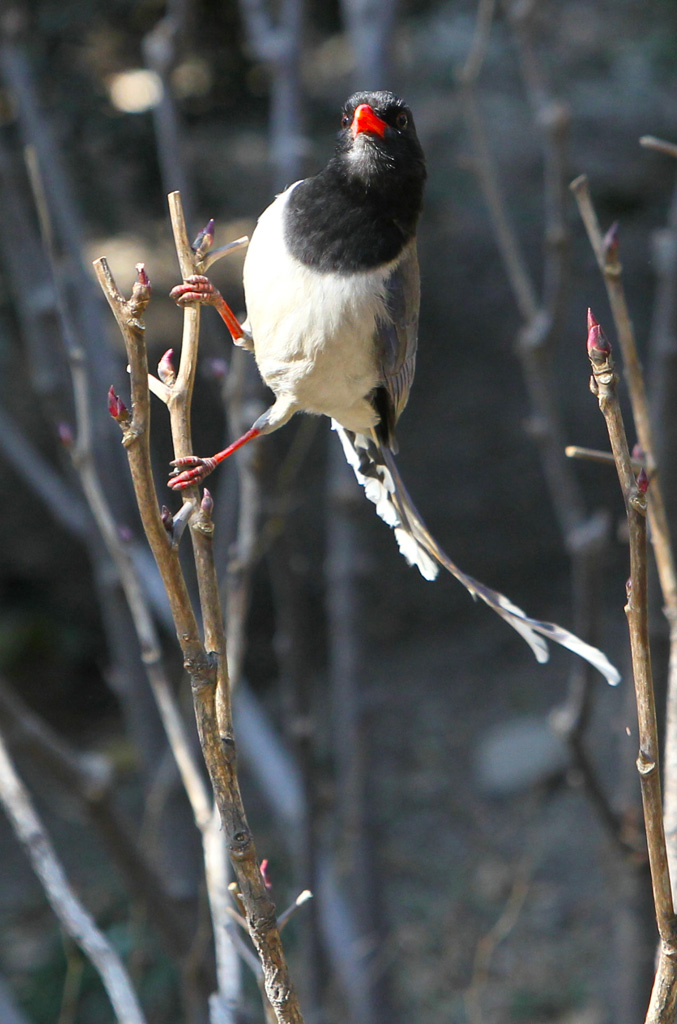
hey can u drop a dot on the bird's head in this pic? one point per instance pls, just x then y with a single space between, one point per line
378 144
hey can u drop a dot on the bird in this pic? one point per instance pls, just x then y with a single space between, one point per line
332 292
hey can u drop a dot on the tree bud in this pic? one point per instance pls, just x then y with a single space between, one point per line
204 240
116 407
167 519
207 503
263 868
598 343
165 368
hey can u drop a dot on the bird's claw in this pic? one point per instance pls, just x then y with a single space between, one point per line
189 470
196 288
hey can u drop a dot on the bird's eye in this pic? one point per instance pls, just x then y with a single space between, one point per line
402 121
345 121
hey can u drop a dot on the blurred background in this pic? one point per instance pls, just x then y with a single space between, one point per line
466 818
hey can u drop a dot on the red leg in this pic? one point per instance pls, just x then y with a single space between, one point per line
196 469
230 320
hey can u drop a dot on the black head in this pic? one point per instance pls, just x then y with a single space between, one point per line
378 144
362 208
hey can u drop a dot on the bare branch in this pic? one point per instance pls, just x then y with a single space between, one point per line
604 385
205 663
607 254
651 142
574 451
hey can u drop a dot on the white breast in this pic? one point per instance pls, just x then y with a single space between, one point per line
313 333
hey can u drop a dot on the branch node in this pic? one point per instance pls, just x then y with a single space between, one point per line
645 765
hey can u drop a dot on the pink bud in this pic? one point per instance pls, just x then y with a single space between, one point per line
263 868
142 290
141 275
167 519
638 452
642 481
165 368
124 533
598 343
207 503
66 435
116 407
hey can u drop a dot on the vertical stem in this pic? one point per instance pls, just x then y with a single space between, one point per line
603 384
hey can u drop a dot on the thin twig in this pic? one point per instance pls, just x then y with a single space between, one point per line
607 255
651 142
574 451
206 665
604 385
608 261
211 695
294 908
662 387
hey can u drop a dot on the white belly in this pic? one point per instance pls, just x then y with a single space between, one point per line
313 333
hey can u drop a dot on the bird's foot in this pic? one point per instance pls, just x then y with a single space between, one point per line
191 469
196 288
199 288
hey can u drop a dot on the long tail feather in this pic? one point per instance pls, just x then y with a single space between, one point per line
377 472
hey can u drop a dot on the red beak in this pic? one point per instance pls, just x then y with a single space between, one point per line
365 120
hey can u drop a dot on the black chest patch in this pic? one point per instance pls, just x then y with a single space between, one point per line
334 230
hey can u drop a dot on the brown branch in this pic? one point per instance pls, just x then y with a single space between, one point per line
574 451
205 663
211 697
610 266
661 145
606 253
604 385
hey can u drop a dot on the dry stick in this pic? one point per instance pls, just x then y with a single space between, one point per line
603 384
651 142
75 920
213 707
575 451
136 441
72 513
207 669
609 264
663 389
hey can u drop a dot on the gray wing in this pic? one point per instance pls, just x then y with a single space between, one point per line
397 336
